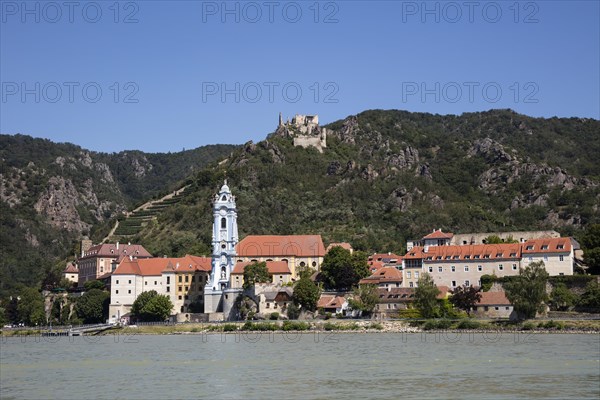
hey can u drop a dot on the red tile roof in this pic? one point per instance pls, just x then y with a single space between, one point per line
550 245
375 265
493 299
111 251
438 234
466 252
386 258
382 275
71 269
330 301
155 266
343 245
273 246
274 267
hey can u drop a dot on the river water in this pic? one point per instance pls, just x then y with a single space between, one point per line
302 366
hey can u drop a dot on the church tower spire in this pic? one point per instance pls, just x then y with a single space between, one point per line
224 240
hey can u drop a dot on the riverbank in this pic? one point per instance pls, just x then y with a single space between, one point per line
352 326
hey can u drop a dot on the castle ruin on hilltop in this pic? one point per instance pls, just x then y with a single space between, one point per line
305 131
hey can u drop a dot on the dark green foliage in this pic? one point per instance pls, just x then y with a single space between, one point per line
468 324
295 326
30 307
465 297
561 298
89 285
426 296
256 273
341 270
293 311
590 299
590 242
437 324
306 294
92 307
274 316
151 306
365 299
527 293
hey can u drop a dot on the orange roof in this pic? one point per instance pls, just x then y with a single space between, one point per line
274 267
155 266
493 298
330 301
71 269
438 234
549 245
466 252
343 245
116 251
375 265
386 258
272 245
385 274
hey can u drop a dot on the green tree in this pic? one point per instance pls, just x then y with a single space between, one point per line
590 298
562 298
293 311
527 291
495 239
465 297
342 270
590 242
31 307
256 273
3 317
151 306
92 307
426 294
365 299
95 284
306 294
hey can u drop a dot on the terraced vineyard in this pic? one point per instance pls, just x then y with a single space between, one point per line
133 223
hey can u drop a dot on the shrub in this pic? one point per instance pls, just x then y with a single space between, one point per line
528 326
552 325
437 324
230 328
295 326
411 313
468 324
376 325
274 316
330 326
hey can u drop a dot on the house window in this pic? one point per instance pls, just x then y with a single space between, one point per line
117 291
194 278
430 269
314 263
155 283
223 223
486 308
506 308
179 297
453 268
145 282
302 264
440 269
274 305
187 278
410 284
467 283
268 305
513 254
560 247
544 247
168 289
496 308
453 283
186 288
561 258
130 281
129 291
501 267
416 274
467 257
466 268
408 274
117 281
514 267
545 258
479 268
168 280
179 278
529 247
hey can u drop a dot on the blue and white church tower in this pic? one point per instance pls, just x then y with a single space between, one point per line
218 297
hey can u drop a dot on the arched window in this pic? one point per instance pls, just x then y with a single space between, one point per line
223 223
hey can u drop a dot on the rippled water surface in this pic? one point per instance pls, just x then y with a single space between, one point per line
306 366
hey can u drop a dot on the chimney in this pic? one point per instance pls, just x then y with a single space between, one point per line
425 249
130 257
117 245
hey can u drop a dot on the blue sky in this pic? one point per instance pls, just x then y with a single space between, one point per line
162 76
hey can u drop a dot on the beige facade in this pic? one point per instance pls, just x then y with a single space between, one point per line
98 260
